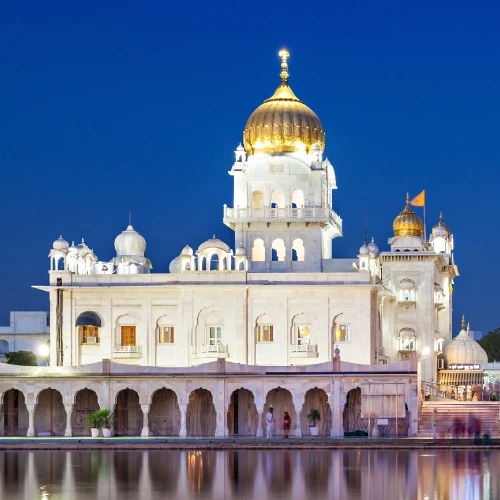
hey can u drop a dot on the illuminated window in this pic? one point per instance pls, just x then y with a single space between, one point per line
265 333
89 334
215 335
166 335
343 333
303 335
407 343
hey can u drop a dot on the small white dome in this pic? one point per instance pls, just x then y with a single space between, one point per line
130 243
214 243
373 248
72 249
187 250
240 148
241 250
83 249
463 349
439 232
175 266
60 244
364 250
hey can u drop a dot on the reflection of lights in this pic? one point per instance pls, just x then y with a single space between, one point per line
195 470
43 493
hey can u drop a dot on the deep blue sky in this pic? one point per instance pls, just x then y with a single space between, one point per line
127 105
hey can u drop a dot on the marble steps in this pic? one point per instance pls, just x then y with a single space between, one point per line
447 411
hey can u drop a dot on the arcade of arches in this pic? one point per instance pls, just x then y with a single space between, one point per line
211 409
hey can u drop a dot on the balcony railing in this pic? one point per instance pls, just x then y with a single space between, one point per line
126 351
214 351
288 214
304 350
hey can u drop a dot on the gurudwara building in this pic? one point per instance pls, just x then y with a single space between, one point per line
277 320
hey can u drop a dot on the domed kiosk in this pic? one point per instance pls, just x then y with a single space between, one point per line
463 376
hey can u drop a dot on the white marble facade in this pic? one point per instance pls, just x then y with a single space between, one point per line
279 297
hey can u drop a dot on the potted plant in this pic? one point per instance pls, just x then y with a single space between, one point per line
104 417
92 421
313 416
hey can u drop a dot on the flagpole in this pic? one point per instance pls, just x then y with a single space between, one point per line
425 220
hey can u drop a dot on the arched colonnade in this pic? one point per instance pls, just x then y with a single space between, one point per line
210 409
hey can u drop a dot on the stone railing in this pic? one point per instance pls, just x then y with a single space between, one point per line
210 351
126 349
304 348
288 214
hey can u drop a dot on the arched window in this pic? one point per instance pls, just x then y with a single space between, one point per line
277 199
342 333
265 329
165 329
88 324
60 263
407 339
278 250
214 262
241 266
126 326
298 199
257 199
258 250
298 250
302 329
438 345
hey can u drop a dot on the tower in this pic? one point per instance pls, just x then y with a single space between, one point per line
282 191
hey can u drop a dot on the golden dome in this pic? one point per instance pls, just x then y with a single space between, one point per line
283 123
407 223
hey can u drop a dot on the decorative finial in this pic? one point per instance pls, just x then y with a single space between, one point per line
468 329
463 321
213 237
130 217
407 198
284 54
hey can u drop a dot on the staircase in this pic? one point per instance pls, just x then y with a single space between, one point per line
448 409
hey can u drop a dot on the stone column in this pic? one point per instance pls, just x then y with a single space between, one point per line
298 411
69 411
145 424
260 421
336 406
219 410
226 428
31 420
183 430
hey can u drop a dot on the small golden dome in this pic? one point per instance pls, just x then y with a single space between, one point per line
442 224
283 123
407 223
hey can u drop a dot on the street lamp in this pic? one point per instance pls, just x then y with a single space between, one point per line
44 351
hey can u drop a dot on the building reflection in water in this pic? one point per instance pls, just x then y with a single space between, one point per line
353 474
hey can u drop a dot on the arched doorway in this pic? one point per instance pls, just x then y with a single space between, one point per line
201 416
128 418
15 414
242 415
281 400
317 399
85 404
353 423
50 415
164 414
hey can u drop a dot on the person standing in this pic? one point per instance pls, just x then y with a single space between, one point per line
270 420
287 422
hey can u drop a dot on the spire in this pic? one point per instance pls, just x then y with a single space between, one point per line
284 54
468 329
463 321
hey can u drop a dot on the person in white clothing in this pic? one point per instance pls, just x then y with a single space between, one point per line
270 420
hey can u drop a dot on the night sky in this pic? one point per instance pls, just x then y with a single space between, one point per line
107 107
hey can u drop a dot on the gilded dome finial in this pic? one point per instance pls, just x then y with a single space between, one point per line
407 198
284 54
468 329
463 321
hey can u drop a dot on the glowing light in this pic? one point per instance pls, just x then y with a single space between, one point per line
43 350
426 351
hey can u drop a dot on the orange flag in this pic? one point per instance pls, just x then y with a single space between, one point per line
419 200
